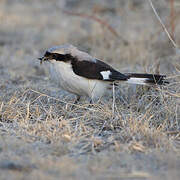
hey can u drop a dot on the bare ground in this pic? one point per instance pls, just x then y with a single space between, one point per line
45 136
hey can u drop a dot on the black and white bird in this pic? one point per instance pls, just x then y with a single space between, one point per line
83 75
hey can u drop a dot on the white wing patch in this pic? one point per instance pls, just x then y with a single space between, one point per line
105 74
137 80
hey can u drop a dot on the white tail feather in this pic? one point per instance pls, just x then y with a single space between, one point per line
135 80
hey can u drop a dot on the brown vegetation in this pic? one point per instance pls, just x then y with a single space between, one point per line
44 135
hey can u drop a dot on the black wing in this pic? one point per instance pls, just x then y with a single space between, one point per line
93 70
87 69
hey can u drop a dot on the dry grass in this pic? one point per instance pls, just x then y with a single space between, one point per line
146 118
134 133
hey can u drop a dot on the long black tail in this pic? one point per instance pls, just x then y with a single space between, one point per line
135 78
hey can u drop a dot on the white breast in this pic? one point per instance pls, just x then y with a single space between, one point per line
62 73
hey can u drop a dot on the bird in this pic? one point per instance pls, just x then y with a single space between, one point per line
81 74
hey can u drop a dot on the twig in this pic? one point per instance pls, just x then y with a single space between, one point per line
169 93
113 110
45 95
103 126
172 18
113 104
162 24
100 21
1 107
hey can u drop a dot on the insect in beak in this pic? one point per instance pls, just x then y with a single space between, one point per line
42 59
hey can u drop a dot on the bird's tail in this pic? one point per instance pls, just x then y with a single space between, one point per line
146 79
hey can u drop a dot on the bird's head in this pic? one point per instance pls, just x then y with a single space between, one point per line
58 53
65 53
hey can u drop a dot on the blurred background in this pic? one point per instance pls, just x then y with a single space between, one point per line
42 135
124 33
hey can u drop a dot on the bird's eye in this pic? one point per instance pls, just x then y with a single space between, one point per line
53 56
47 54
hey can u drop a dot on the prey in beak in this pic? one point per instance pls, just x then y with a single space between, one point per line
41 59
47 56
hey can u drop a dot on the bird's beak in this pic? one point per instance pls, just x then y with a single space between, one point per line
42 59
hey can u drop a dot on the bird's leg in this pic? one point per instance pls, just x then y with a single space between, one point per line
91 101
77 99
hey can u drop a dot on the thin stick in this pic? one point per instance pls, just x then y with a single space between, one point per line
172 19
45 95
1 107
100 21
113 104
162 24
